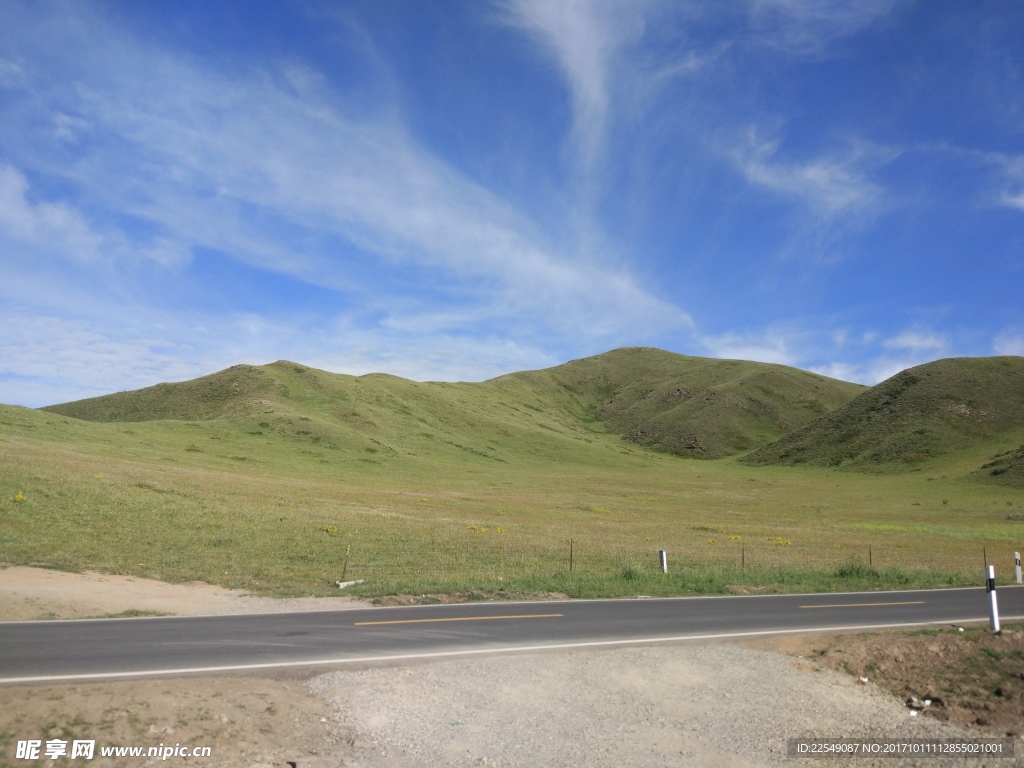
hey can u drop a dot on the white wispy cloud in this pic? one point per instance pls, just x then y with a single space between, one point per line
769 345
267 167
869 372
584 37
1009 343
916 341
820 347
876 359
11 74
841 371
830 185
1011 194
55 225
447 358
46 359
807 27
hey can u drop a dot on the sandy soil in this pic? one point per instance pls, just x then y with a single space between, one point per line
40 593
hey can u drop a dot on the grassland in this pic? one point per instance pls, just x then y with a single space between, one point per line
425 488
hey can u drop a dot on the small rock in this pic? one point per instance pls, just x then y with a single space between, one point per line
863 680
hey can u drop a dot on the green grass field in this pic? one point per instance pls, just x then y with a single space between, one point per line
425 488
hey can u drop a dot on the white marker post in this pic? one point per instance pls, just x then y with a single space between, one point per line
663 558
1016 557
993 608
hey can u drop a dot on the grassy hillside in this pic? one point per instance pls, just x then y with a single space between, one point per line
923 413
692 406
280 478
672 403
376 419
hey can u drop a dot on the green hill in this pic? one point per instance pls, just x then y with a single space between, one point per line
687 406
919 414
690 406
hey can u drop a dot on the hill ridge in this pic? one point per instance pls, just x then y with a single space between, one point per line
679 404
921 413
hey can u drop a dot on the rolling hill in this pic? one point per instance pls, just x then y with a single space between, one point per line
922 413
688 406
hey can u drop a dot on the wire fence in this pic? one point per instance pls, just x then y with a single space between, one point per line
496 558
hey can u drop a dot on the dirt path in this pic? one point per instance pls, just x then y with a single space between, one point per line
40 593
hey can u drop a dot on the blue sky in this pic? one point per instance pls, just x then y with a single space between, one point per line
456 190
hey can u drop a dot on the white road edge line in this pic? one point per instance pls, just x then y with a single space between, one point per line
477 652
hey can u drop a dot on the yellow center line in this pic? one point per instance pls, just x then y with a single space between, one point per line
461 618
862 605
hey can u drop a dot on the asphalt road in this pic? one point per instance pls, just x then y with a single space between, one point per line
41 651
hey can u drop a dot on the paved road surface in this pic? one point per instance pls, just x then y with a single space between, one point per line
41 651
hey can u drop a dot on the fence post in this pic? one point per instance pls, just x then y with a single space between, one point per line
1016 557
663 559
993 608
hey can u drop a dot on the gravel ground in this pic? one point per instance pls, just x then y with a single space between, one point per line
684 705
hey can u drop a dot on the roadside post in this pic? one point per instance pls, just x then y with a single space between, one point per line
1016 557
993 608
663 559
